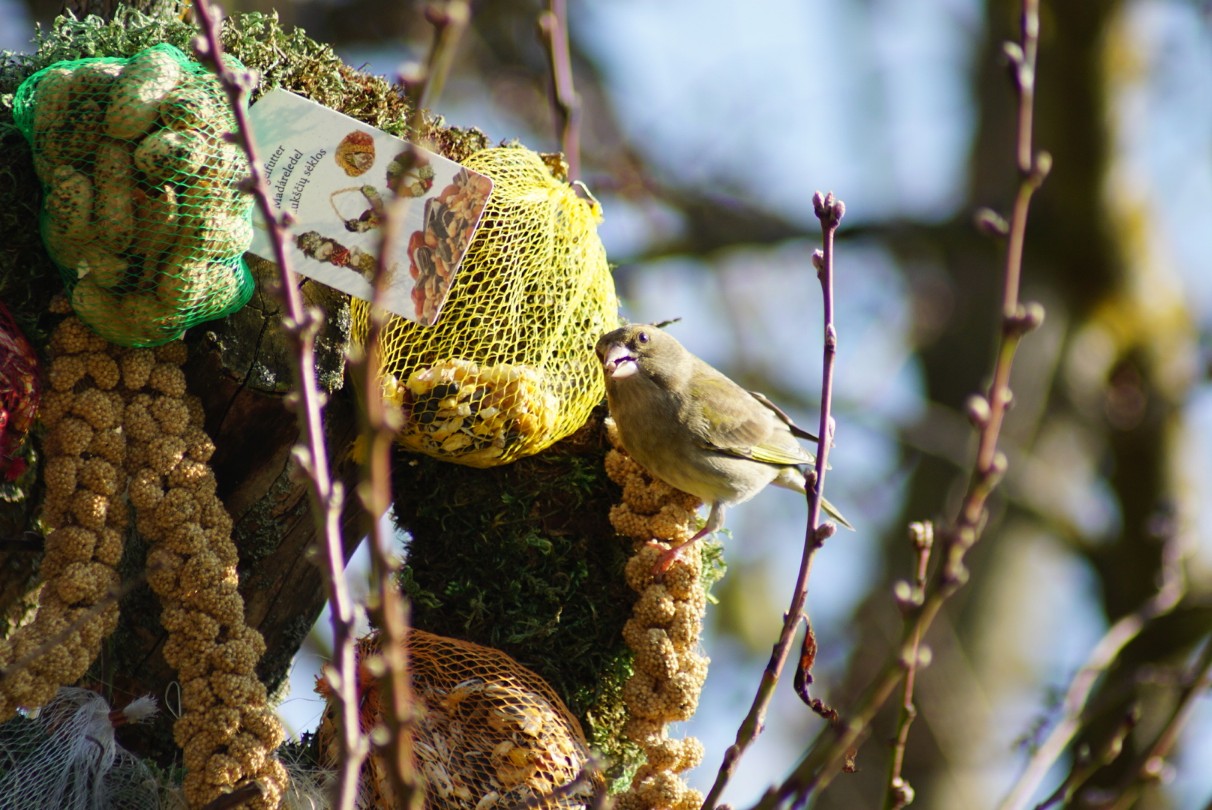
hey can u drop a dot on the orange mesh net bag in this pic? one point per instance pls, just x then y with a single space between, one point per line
491 732
509 367
141 210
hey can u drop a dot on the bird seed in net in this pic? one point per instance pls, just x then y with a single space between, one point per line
509 367
141 207
492 734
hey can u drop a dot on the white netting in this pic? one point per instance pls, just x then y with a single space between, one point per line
67 758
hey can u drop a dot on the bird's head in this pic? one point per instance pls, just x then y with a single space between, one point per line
641 349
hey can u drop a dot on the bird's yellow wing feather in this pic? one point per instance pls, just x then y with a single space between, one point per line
733 421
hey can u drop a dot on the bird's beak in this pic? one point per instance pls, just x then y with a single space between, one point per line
619 363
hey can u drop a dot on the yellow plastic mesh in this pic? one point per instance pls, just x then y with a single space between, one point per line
142 211
491 732
509 367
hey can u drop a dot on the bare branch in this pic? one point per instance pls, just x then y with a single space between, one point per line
833 749
326 496
829 211
553 30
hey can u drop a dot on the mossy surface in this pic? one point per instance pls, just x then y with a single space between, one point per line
523 558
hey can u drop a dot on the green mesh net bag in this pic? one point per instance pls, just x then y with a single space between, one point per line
141 209
509 367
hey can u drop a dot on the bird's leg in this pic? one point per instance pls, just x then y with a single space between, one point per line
715 520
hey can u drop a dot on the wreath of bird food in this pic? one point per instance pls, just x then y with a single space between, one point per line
489 357
141 210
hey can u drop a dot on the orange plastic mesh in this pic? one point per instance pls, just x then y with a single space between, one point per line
141 211
491 733
509 367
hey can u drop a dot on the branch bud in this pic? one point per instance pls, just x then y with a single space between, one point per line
907 597
991 223
921 535
828 209
925 657
977 408
1012 52
903 792
1041 167
1027 318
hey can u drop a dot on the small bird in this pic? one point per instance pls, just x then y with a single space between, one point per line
695 429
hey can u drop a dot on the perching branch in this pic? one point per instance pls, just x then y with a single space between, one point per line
325 495
829 211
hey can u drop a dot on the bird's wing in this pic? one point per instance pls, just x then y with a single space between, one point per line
796 430
738 424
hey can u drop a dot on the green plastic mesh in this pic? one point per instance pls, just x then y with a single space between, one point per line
509 367
141 209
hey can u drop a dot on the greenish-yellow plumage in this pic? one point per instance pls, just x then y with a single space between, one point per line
694 428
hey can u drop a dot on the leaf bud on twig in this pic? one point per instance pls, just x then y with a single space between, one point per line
977 408
991 223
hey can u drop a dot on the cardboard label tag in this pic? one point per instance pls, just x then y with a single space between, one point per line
335 175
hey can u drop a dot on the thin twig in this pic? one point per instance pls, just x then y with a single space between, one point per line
326 496
571 789
829 211
1087 762
833 748
387 608
237 798
1151 766
1081 687
566 104
898 792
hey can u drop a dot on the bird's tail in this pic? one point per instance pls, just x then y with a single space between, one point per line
831 510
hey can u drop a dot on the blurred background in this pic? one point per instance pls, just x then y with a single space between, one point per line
705 128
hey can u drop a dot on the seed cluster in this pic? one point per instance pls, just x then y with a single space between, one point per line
664 634
86 515
123 432
473 414
491 733
227 731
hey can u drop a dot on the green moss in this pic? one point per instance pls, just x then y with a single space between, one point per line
523 558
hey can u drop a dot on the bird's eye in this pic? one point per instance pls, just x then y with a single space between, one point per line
642 337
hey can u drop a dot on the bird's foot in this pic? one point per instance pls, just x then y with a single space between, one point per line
668 557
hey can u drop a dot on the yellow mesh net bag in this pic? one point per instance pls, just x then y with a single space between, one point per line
491 732
509 367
